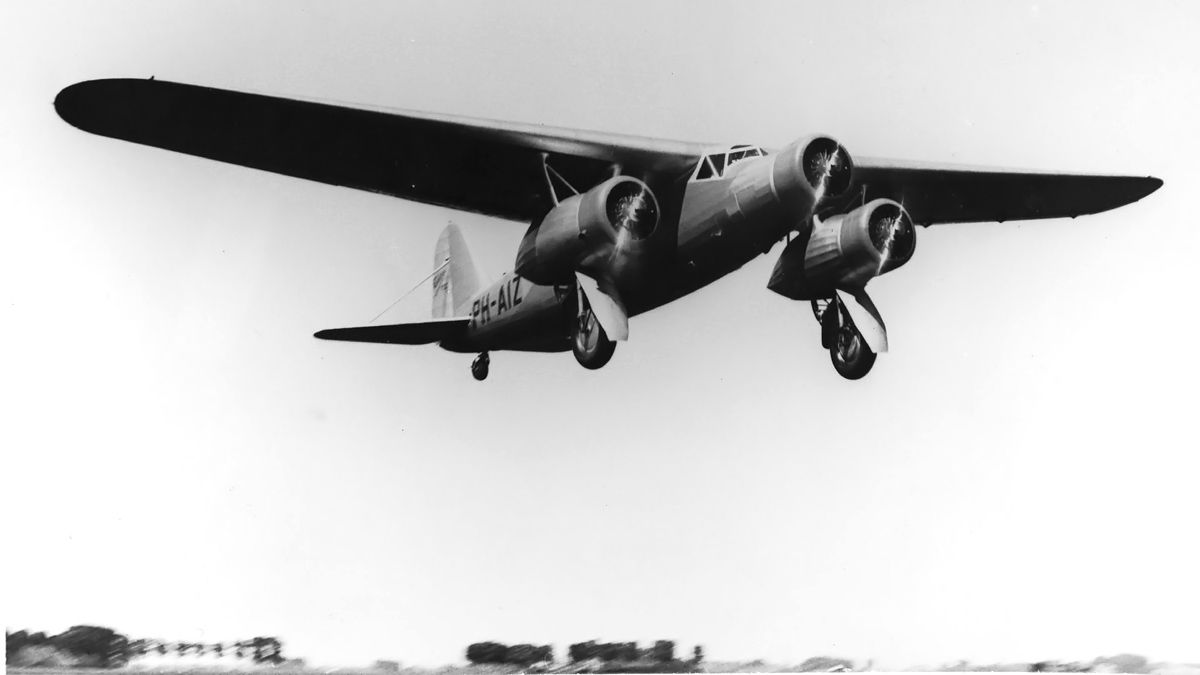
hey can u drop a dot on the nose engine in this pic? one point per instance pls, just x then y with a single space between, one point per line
827 166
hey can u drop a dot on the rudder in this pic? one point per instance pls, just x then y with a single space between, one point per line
456 279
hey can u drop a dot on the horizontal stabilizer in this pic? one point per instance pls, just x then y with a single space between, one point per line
421 333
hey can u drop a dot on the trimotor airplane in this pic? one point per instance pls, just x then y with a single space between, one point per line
619 225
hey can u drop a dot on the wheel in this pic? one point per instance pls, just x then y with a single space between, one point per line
590 343
851 356
479 367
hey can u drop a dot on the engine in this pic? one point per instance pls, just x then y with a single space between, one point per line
824 164
846 251
604 232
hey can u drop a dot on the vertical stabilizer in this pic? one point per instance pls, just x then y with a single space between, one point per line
455 277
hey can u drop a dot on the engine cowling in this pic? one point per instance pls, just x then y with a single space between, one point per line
604 232
846 251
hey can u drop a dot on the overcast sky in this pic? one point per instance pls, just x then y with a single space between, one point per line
1016 479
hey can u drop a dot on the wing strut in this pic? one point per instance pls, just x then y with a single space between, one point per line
549 172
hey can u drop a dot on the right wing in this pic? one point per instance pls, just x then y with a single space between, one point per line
949 194
489 167
420 333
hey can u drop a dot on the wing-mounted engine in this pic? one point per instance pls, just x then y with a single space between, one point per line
605 233
831 267
601 242
845 251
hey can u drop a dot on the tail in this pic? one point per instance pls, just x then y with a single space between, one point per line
455 277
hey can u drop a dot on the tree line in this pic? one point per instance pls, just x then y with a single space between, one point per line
101 647
660 654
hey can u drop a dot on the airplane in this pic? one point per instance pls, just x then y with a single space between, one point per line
618 225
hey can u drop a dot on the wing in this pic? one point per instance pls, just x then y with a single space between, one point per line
935 194
469 164
421 333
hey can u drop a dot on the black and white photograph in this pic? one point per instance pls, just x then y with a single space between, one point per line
406 337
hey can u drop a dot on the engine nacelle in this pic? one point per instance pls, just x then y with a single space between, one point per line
846 251
811 171
603 232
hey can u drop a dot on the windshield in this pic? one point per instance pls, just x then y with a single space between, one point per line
716 164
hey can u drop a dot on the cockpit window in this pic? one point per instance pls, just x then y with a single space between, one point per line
715 165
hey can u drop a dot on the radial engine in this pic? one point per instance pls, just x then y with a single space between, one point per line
605 233
831 267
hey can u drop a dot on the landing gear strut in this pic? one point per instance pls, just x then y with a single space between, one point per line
848 351
479 367
589 342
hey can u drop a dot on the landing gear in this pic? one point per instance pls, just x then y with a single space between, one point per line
589 342
848 351
479 367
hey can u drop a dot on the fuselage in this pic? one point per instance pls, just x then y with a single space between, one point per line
732 206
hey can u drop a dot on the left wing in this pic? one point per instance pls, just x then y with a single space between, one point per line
420 333
490 167
934 194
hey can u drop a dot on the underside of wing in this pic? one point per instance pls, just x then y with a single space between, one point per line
934 194
421 333
490 167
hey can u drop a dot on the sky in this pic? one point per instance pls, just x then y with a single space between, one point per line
1015 480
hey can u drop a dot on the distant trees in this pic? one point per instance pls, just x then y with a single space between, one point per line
90 646
14 643
265 650
100 647
583 651
520 655
94 645
663 651
618 656
527 655
486 652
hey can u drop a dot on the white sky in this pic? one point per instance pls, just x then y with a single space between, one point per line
1015 480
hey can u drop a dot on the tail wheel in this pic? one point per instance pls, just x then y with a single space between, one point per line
851 356
589 342
479 367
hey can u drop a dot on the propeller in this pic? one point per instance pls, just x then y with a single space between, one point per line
892 233
827 167
632 210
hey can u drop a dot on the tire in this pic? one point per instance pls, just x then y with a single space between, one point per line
851 356
479 367
590 343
